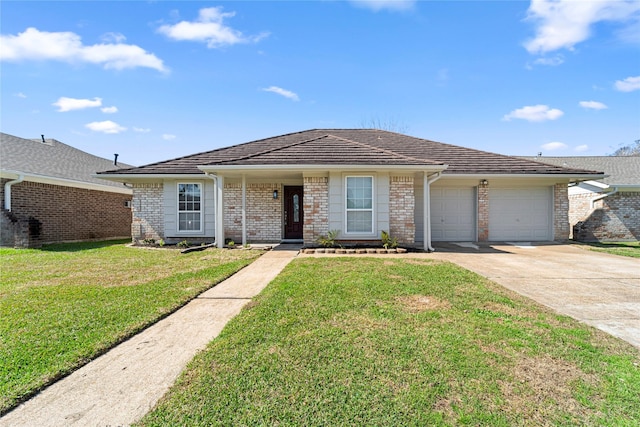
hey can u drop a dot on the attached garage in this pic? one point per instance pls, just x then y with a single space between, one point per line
453 214
520 214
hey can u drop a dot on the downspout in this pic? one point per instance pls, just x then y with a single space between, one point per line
219 232
602 196
7 191
428 180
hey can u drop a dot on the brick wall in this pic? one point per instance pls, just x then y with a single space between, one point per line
148 211
401 209
561 227
483 212
614 218
316 208
263 212
50 213
579 209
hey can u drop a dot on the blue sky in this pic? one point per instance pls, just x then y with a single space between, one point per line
157 80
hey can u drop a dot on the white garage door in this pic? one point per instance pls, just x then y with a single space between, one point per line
453 214
520 214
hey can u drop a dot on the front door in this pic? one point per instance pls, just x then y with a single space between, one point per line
293 214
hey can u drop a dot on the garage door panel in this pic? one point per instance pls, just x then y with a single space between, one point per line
520 214
453 214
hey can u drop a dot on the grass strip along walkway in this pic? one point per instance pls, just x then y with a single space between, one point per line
362 341
66 304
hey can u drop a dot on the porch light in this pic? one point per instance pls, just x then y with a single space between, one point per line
275 194
484 182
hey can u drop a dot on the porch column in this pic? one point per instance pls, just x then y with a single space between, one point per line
244 210
426 220
220 211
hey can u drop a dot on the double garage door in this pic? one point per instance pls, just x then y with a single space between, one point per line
515 214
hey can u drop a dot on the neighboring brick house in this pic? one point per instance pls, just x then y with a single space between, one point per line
607 209
360 182
49 195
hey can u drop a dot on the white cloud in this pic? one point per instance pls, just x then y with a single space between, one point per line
209 27
552 146
534 113
105 127
109 110
168 136
141 130
21 95
69 104
593 105
286 93
36 45
561 24
377 5
113 38
629 84
552 62
581 148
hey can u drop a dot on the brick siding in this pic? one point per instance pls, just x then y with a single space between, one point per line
316 208
263 212
614 218
47 213
148 212
561 227
579 209
401 209
483 212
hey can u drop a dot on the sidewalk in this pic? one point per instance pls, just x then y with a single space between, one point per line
121 386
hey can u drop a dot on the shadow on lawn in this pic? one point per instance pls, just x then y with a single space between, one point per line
82 246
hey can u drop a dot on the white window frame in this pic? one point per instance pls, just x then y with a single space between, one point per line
178 211
372 209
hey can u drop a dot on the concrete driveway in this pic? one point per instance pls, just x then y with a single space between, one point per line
598 289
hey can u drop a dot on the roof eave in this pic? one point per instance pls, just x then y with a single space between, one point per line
63 182
574 177
319 167
128 177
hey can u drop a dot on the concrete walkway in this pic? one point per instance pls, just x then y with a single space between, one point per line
121 386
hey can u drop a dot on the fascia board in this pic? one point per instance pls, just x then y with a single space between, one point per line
523 175
43 179
148 176
324 167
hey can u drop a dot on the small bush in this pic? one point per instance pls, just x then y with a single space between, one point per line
328 241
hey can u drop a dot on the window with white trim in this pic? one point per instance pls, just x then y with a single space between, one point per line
359 204
189 207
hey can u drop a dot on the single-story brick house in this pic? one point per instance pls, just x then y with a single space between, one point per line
300 186
607 209
49 195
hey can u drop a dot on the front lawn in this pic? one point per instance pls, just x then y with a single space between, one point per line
631 249
363 341
65 304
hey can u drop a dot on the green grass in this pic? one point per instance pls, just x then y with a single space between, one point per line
362 341
630 249
66 304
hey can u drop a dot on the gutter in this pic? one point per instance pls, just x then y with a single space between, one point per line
602 196
428 180
7 191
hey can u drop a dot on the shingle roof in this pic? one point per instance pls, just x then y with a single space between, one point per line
52 159
622 170
352 147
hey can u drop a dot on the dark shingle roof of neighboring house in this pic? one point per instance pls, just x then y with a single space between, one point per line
621 170
52 159
352 147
